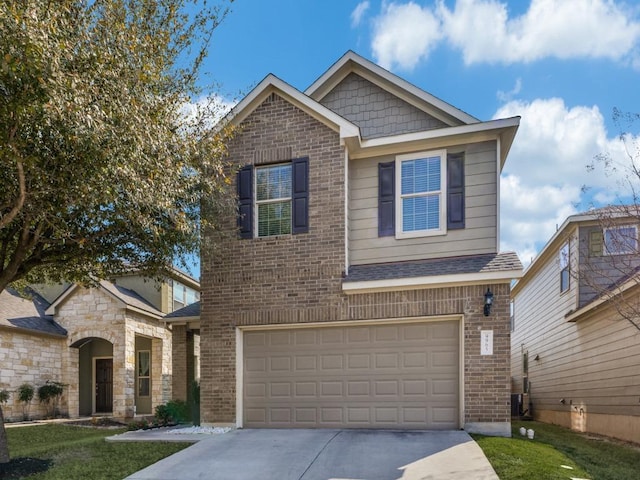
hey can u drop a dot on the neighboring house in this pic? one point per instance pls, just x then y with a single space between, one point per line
185 334
353 293
573 355
108 344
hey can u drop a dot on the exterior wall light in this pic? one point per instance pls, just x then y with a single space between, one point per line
488 301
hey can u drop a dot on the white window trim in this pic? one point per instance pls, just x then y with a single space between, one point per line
605 249
257 202
443 194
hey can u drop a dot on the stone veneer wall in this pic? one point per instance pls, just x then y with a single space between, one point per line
26 357
93 313
298 278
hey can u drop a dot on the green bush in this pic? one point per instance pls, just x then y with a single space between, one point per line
26 392
4 396
138 425
50 394
174 411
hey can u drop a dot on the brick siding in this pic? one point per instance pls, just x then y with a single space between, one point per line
298 278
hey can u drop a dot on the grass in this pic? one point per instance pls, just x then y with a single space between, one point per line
81 452
559 453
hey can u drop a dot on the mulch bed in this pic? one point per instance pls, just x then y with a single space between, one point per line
103 422
23 467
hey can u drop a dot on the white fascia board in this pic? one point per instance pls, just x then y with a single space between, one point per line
447 136
272 84
350 61
434 281
51 310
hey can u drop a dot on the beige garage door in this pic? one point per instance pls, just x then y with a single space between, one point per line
373 376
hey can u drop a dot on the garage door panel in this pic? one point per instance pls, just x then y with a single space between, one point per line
384 376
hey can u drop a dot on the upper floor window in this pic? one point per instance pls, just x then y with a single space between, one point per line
565 273
421 187
273 200
183 295
620 240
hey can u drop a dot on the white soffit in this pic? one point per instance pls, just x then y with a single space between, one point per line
434 281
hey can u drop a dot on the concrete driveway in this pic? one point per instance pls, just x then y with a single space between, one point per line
326 455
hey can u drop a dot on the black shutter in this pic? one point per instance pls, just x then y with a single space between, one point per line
455 191
300 195
244 182
386 199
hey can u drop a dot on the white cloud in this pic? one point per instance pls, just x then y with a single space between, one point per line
484 31
404 34
508 96
358 13
563 29
547 168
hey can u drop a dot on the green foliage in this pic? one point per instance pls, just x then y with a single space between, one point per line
26 392
174 411
102 167
4 396
50 394
81 452
138 425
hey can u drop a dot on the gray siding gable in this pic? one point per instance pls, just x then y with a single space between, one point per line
377 112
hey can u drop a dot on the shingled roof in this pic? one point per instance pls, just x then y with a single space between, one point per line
493 262
26 311
190 311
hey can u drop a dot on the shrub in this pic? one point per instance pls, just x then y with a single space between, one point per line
50 394
26 393
174 411
4 396
138 425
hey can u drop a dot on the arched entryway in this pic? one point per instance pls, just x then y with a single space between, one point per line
95 376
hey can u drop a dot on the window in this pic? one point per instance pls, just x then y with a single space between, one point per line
421 205
512 316
620 240
183 295
144 373
565 273
273 200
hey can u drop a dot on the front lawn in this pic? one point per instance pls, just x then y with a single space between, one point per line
81 452
559 453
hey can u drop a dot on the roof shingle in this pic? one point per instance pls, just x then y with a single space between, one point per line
493 262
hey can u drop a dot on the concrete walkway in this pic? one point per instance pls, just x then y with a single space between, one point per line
319 455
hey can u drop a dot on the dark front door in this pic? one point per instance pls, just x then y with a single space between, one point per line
104 385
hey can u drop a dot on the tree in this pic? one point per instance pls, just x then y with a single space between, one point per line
610 269
100 169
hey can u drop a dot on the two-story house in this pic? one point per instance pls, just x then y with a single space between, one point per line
109 344
356 292
576 338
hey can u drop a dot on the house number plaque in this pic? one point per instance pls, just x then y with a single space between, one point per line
486 342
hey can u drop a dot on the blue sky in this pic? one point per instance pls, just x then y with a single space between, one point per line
562 65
